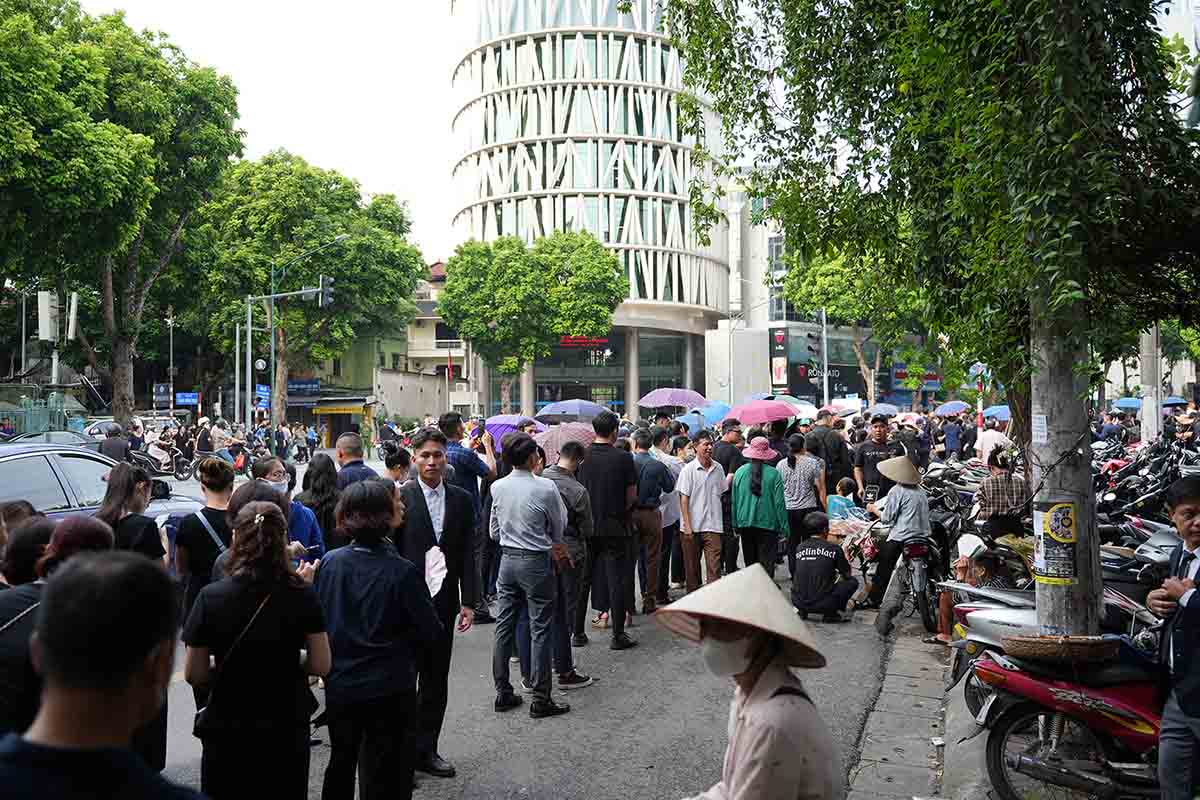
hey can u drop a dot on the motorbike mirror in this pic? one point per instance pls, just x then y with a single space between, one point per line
1151 556
1144 471
1148 576
160 490
1110 496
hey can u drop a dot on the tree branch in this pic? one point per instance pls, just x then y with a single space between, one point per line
89 352
164 259
110 315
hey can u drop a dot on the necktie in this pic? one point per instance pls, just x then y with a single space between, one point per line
1185 563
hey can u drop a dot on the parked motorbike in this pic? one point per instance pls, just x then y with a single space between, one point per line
1091 729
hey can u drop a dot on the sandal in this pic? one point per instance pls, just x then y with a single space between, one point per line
933 639
600 620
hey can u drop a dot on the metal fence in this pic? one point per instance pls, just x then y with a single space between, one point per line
35 416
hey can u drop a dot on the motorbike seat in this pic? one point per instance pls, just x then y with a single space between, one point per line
1093 675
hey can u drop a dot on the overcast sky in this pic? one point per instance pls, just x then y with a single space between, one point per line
359 86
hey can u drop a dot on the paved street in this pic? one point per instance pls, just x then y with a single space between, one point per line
653 726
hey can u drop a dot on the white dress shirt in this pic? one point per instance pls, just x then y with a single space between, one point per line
703 488
435 499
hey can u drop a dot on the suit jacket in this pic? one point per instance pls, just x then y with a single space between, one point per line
458 544
1184 640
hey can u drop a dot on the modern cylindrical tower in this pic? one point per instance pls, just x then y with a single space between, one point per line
569 120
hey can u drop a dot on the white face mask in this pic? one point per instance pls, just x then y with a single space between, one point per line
279 486
726 659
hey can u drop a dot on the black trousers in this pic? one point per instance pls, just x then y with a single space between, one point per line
670 534
256 763
729 541
610 554
376 739
797 533
433 680
885 565
758 546
487 555
835 600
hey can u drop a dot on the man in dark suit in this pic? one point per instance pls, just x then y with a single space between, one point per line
440 514
1179 735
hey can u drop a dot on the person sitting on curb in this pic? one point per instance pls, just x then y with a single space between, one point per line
816 587
778 744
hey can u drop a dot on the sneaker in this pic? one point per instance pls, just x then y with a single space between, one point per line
579 640
574 680
547 708
676 585
622 642
507 702
525 687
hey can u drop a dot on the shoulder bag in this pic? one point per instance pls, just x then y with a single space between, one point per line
203 723
208 527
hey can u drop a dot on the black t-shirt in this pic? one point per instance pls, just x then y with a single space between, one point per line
201 550
204 442
261 685
20 686
116 448
51 773
607 472
868 456
139 533
730 457
817 564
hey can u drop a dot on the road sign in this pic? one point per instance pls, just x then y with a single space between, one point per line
262 391
187 398
162 393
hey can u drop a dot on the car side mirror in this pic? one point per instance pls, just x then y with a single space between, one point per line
160 490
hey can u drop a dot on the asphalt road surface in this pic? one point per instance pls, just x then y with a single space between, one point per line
652 726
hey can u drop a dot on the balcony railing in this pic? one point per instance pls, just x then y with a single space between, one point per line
449 344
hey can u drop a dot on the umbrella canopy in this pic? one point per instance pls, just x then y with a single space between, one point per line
909 418
556 436
1174 401
695 420
1001 413
804 409
683 398
1128 403
886 409
840 411
570 411
750 398
709 414
951 408
758 412
501 424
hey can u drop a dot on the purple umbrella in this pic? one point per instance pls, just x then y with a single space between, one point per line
501 424
684 398
570 411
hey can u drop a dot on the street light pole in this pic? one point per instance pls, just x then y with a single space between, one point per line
171 346
237 373
249 420
825 356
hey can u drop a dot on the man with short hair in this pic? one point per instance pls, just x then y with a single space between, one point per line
105 647
867 458
822 583
990 439
669 508
728 453
654 481
438 515
701 483
528 518
952 431
825 443
350 459
469 469
221 440
610 477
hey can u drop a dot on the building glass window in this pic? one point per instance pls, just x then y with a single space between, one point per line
395 361
780 310
382 360
336 369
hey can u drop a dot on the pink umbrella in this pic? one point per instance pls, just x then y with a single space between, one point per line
556 436
758 412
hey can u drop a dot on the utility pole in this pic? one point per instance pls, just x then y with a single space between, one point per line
249 421
171 339
1150 369
237 373
824 358
1067 557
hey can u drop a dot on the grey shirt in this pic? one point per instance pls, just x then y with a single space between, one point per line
527 512
905 509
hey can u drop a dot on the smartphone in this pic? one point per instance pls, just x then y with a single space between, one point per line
870 493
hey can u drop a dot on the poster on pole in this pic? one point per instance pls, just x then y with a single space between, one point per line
779 360
1056 532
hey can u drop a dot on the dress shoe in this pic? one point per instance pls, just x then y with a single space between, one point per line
434 764
574 680
579 640
507 702
547 708
622 642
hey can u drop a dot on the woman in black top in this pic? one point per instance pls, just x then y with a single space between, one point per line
196 547
259 704
126 498
321 496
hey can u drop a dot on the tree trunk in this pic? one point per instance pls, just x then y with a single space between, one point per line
122 374
856 343
279 380
1068 568
506 394
1019 405
1102 392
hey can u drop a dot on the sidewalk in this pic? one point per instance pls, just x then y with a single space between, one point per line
900 745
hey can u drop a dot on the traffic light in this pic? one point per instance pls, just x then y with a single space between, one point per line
325 293
814 349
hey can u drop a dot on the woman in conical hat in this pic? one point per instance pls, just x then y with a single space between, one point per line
779 747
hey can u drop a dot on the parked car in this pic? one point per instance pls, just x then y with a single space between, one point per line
62 479
56 437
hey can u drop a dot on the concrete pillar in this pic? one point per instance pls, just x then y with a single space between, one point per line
689 362
528 405
633 373
481 380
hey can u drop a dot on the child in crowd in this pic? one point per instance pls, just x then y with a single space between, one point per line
840 504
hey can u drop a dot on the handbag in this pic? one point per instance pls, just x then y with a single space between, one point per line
203 724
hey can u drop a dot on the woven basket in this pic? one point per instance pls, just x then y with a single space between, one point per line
1062 648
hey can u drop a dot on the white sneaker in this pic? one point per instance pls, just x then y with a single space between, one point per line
525 687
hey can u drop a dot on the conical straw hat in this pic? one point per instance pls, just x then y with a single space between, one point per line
901 470
748 597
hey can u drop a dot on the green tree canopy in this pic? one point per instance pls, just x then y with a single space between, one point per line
514 303
271 211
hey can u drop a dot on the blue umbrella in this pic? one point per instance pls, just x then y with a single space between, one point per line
695 420
951 408
886 409
1001 413
1129 403
713 412
1174 400
570 411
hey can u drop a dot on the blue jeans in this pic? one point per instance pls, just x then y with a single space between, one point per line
224 455
526 581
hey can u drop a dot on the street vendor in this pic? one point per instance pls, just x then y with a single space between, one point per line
779 747
977 566
905 511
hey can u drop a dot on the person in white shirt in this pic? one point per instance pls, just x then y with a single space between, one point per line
700 485
669 508
990 439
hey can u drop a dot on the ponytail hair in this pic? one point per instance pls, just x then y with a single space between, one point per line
1001 459
756 473
796 444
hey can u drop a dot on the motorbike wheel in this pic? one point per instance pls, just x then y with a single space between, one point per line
183 469
1025 729
927 601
